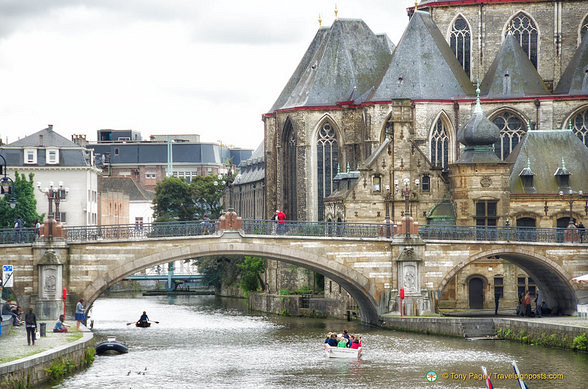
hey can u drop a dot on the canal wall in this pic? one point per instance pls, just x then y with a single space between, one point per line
296 305
54 363
5 325
461 327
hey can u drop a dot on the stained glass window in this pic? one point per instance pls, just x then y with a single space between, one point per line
525 31
327 152
512 130
580 125
440 145
290 171
459 41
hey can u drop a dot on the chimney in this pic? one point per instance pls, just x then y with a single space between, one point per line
50 127
40 140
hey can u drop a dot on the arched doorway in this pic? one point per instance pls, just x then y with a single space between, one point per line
476 292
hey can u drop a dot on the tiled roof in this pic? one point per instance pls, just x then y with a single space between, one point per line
44 138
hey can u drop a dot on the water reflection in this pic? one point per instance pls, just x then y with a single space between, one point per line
207 341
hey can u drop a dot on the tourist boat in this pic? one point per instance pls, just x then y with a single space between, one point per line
342 352
111 345
144 324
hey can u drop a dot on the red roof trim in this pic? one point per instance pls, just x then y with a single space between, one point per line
471 2
464 100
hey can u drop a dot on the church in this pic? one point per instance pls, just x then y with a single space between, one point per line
478 116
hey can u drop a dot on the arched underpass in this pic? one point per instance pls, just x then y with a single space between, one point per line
551 279
355 283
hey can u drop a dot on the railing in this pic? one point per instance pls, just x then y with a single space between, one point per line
303 228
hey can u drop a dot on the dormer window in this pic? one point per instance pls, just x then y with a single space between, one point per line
562 176
377 184
30 156
52 156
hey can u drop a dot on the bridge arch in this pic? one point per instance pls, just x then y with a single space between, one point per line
551 278
355 283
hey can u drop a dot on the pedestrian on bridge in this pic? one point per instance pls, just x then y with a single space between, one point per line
281 222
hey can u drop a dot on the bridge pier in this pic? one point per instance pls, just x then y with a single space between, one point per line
50 273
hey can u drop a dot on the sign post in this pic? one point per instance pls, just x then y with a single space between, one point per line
7 278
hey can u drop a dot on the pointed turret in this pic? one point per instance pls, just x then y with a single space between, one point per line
512 74
423 66
342 60
574 80
478 135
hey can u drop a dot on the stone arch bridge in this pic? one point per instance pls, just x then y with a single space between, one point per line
371 269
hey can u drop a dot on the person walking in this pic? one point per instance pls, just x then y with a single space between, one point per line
18 230
581 231
281 222
31 325
37 229
538 302
528 304
275 222
80 310
496 301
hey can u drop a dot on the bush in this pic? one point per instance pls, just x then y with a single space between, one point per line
580 343
284 292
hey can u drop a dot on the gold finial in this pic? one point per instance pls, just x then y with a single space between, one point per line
416 5
509 28
336 12
320 21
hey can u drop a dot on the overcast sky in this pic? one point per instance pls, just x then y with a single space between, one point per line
210 67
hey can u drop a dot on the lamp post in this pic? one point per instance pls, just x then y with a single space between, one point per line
54 195
569 197
387 199
406 191
6 184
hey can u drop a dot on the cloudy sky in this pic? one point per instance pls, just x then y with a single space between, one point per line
210 67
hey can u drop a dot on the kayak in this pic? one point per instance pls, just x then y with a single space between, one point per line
144 324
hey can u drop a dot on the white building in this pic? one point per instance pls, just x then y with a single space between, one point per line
55 159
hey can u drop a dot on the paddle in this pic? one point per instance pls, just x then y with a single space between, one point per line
130 323
156 322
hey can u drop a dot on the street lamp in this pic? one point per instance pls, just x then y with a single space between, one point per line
569 197
6 184
54 195
387 199
406 191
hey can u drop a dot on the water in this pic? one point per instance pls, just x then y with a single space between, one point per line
206 341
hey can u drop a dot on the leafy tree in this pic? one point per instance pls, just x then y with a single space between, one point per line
207 193
173 201
26 204
251 269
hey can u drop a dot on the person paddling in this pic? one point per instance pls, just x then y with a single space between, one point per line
144 318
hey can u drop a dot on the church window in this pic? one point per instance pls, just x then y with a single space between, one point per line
486 213
525 31
512 130
584 29
579 124
459 41
440 145
426 183
327 161
290 171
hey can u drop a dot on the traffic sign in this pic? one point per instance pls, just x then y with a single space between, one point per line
7 279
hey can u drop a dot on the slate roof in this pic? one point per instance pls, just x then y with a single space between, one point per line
545 149
522 80
574 80
125 185
342 63
253 169
44 138
423 66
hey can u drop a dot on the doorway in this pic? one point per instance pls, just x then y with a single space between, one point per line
476 293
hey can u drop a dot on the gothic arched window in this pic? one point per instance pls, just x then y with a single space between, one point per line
440 145
580 125
525 31
327 153
512 130
289 177
584 29
459 41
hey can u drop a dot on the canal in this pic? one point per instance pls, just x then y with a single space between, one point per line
213 342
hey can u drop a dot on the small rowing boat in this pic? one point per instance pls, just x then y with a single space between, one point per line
143 324
342 352
111 345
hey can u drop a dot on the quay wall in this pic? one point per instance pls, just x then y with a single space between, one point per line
292 305
30 371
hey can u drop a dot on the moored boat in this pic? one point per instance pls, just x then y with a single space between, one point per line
342 352
111 345
143 324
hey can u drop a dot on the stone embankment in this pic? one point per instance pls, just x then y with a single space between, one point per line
52 357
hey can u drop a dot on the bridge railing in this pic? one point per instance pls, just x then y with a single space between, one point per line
303 228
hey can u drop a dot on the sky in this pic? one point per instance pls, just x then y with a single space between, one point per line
210 67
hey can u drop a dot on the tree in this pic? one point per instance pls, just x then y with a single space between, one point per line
207 196
26 204
173 201
251 269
